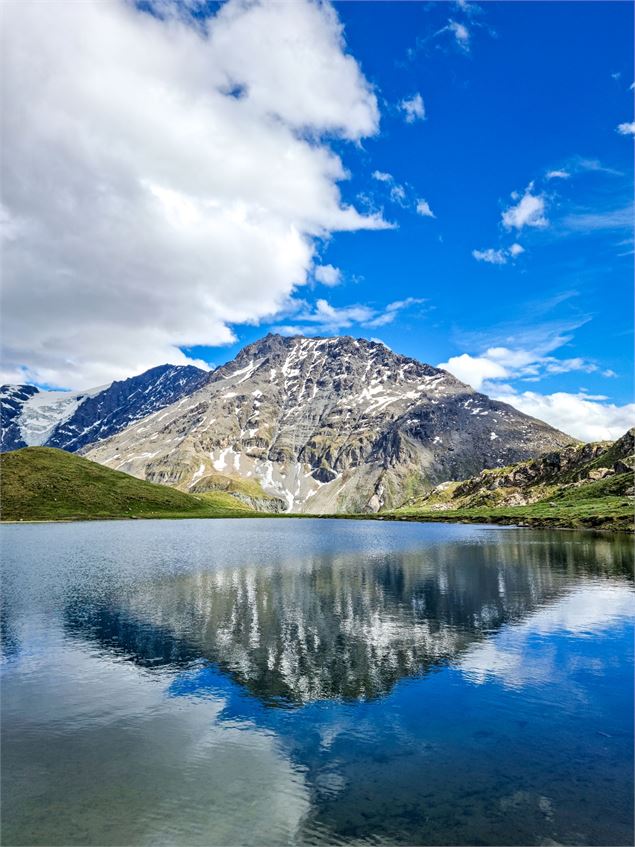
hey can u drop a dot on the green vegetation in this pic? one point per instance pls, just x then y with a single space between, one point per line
42 483
587 485
577 508
248 491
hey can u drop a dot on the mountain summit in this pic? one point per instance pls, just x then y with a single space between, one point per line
328 425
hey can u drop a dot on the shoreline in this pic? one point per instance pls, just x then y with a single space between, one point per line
508 521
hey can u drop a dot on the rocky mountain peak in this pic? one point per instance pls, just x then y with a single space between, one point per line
327 424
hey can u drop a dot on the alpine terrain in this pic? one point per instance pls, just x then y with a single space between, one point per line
326 425
70 420
585 485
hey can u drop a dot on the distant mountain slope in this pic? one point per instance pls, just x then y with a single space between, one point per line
70 420
41 483
329 425
580 485
12 401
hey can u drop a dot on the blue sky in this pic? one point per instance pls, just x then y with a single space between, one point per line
536 88
453 179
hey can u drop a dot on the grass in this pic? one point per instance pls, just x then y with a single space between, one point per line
42 483
213 482
596 505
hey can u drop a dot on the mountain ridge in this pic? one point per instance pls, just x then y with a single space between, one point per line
70 420
329 425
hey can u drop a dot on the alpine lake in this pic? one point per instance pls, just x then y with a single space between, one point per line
291 682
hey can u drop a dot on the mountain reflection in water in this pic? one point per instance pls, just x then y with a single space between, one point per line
334 626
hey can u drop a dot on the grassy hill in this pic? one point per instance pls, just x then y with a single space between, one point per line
247 491
585 485
42 483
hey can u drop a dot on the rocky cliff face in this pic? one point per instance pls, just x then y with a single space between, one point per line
327 424
70 420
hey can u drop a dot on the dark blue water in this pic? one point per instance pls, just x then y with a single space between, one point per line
315 682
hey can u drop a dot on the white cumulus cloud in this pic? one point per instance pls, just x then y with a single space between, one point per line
474 370
528 211
164 180
626 128
423 208
328 275
583 416
587 417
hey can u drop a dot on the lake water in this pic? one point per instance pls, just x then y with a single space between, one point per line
281 682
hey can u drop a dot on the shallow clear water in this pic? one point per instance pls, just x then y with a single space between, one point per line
310 681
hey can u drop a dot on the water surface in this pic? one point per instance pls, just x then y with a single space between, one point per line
284 682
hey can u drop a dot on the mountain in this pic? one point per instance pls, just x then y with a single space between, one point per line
328 425
70 420
13 399
41 483
580 485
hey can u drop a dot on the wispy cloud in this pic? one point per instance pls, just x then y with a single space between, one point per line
534 332
323 318
461 34
585 416
611 219
413 108
498 257
518 350
580 164
507 363
403 194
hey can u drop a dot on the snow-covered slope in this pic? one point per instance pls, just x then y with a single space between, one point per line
328 424
71 420
45 411
12 401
